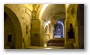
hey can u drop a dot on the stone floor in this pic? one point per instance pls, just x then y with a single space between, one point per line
50 47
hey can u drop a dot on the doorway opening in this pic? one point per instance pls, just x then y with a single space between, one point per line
59 29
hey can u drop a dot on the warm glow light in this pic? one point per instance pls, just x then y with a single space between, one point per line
42 10
46 24
67 5
49 22
48 48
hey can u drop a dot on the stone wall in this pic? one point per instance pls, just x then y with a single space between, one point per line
9 30
71 18
24 16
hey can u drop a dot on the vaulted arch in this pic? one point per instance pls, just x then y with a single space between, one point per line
17 26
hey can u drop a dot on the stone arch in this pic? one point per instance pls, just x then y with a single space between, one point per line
17 26
42 8
51 12
58 22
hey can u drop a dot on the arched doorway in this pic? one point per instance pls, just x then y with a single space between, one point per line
9 32
16 26
59 30
53 12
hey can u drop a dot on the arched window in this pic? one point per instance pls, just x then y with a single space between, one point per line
59 29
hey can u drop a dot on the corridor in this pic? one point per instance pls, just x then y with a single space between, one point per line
43 26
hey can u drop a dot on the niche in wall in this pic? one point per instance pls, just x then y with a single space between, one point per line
9 38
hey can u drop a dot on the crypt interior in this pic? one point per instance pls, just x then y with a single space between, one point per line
43 26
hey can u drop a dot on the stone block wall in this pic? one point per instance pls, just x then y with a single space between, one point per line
24 17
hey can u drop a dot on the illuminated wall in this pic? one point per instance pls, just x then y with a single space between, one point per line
24 16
